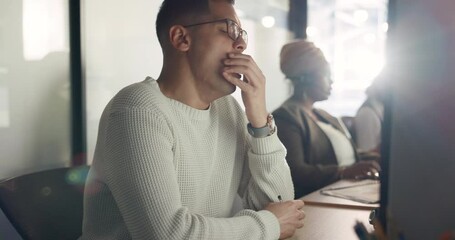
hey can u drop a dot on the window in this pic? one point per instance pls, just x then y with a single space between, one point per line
351 33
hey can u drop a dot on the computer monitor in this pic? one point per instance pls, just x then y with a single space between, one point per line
418 148
7 231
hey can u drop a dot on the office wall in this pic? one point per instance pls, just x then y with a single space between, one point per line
120 47
34 86
422 154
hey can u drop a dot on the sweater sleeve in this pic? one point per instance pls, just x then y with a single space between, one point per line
142 178
267 175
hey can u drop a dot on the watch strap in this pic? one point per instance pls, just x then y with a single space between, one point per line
265 131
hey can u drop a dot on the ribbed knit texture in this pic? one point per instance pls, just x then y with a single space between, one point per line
164 170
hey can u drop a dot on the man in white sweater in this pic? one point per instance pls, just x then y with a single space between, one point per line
172 154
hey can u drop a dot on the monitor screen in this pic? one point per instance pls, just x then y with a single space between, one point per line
7 231
418 148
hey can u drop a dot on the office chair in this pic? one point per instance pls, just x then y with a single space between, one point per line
46 204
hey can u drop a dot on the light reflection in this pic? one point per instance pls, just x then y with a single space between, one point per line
77 176
43 28
369 38
365 63
385 27
360 16
353 41
268 21
311 31
46 191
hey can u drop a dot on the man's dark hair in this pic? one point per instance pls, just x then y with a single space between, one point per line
174 12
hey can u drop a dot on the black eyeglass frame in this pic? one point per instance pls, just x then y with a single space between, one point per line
241 33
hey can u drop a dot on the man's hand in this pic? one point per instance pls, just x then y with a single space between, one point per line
289 214
252 86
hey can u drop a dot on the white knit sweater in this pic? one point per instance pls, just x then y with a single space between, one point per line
164 170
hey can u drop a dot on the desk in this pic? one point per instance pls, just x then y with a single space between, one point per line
332 218
330 223
318 199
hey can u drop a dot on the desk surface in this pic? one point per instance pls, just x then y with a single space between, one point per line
331 223
329 218
318 199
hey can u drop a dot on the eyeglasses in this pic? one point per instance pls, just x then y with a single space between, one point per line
234 31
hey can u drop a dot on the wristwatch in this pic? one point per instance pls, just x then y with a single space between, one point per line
265 131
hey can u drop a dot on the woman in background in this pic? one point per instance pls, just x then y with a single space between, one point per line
318 149
369 118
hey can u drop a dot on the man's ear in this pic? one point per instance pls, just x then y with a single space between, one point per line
179 37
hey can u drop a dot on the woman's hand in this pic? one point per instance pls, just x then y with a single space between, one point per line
361 170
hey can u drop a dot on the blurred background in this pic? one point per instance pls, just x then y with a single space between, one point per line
61 61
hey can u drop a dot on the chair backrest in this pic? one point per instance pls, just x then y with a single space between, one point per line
46 204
